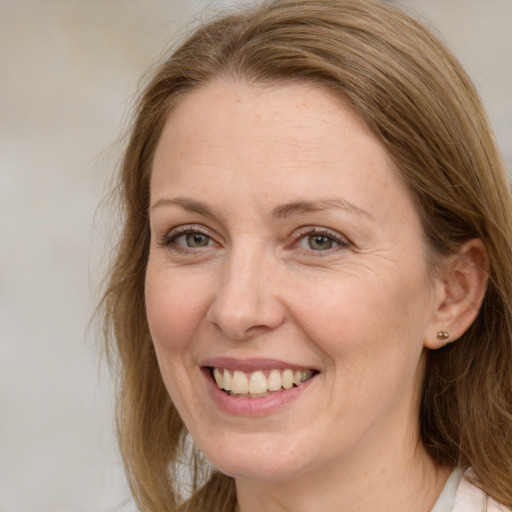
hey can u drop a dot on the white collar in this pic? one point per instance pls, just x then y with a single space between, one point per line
446 499
460 495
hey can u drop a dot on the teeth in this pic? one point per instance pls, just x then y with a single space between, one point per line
218 378
287 379
306 375
227 381
274 381
256 384
239 384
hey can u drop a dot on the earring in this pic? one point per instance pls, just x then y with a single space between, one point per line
443 336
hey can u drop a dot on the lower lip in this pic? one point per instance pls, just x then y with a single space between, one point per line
244 406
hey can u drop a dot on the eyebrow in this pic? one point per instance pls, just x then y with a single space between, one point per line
302 207
188 204
279 212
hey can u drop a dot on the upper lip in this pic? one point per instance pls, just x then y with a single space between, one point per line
251 365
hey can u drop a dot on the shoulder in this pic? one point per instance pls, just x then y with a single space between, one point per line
471 498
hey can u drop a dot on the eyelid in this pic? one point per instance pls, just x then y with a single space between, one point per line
168 238
342 241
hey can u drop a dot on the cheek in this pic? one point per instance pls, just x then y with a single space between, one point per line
174 309
174 315
371 334
367 316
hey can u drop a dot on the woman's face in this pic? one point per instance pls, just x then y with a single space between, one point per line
287 256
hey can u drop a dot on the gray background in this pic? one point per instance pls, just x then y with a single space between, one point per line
69 70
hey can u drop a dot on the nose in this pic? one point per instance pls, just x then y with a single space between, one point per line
247 300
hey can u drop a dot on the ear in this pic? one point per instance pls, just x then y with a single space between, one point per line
462 285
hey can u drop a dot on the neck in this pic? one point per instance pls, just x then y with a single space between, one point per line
394 480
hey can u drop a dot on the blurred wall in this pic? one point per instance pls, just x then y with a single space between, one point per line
69 69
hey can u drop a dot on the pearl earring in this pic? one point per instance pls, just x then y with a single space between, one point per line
443 336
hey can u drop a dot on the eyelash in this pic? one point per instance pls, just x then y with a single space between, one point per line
312 231
168 241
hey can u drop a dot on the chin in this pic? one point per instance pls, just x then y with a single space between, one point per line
253 460
248 468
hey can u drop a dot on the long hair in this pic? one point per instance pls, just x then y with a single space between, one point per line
419 102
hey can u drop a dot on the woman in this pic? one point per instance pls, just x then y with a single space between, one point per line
311 278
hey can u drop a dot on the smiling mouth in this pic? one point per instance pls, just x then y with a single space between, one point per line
259 383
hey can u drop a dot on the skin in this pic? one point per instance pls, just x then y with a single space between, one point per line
360 312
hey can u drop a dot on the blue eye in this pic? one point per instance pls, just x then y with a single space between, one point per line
186 237
191 240
315 239
320 242
194 240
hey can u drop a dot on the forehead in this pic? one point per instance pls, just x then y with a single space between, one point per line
227 111
292 139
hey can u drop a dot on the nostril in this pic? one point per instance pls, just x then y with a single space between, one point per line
244 303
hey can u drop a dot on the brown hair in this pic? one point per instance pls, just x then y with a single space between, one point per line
419 102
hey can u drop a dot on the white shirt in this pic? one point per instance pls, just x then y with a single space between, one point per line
460 495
